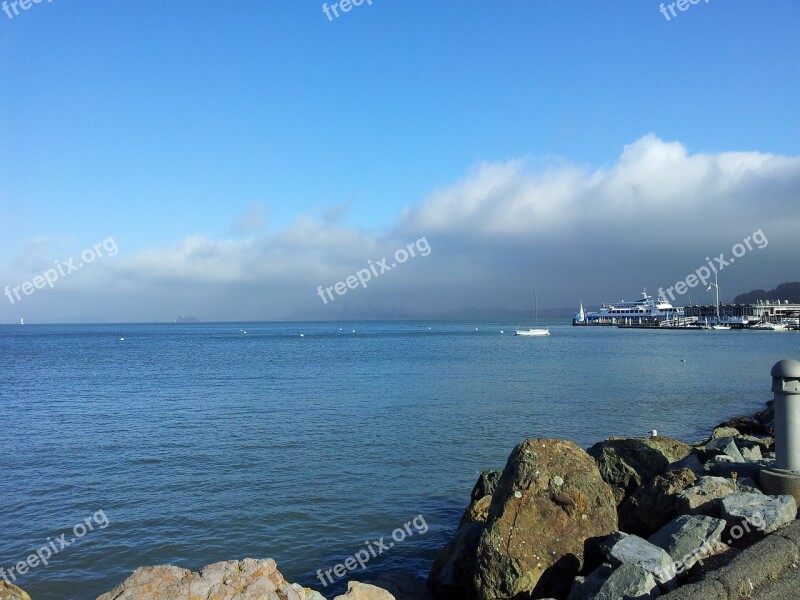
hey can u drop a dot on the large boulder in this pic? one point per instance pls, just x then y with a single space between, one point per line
690 539
453 571
363 591
655 503
753 515
247 579
627 463
8 591
550 505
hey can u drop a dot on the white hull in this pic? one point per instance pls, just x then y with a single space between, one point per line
532 332
769 327
720 327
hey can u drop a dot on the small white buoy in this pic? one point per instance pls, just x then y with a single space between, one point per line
429 328
501 331
244 332
121 339
476 329
653 433
302 335
354 330
340 328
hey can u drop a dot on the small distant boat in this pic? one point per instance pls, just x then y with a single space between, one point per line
767 326
717 324
534 331
580 317
21 321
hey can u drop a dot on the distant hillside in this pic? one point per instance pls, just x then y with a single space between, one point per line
786 291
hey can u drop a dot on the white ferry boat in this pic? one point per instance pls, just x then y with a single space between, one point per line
644 311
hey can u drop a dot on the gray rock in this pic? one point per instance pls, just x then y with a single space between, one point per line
691 462
705 497
723 445
752 454
620 548
690 538
586 588
757 513
762 442
722 431
629 582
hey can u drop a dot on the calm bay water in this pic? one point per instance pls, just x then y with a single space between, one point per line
202 443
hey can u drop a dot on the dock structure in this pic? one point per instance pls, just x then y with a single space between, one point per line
744 315
737 316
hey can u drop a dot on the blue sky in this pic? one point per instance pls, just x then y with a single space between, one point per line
154 122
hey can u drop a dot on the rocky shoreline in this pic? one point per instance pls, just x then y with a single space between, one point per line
627 518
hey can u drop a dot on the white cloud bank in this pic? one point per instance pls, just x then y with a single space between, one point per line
647 220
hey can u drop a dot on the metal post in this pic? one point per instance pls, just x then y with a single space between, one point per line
786 388
785 477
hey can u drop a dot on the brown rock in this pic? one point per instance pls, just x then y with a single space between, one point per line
627 463
477 512
8 591
364 591
486 484
655 503
550 504
481 497
247 579
453 572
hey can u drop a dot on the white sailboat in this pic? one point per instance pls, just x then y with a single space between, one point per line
534 331
21 321
717 323
580 316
